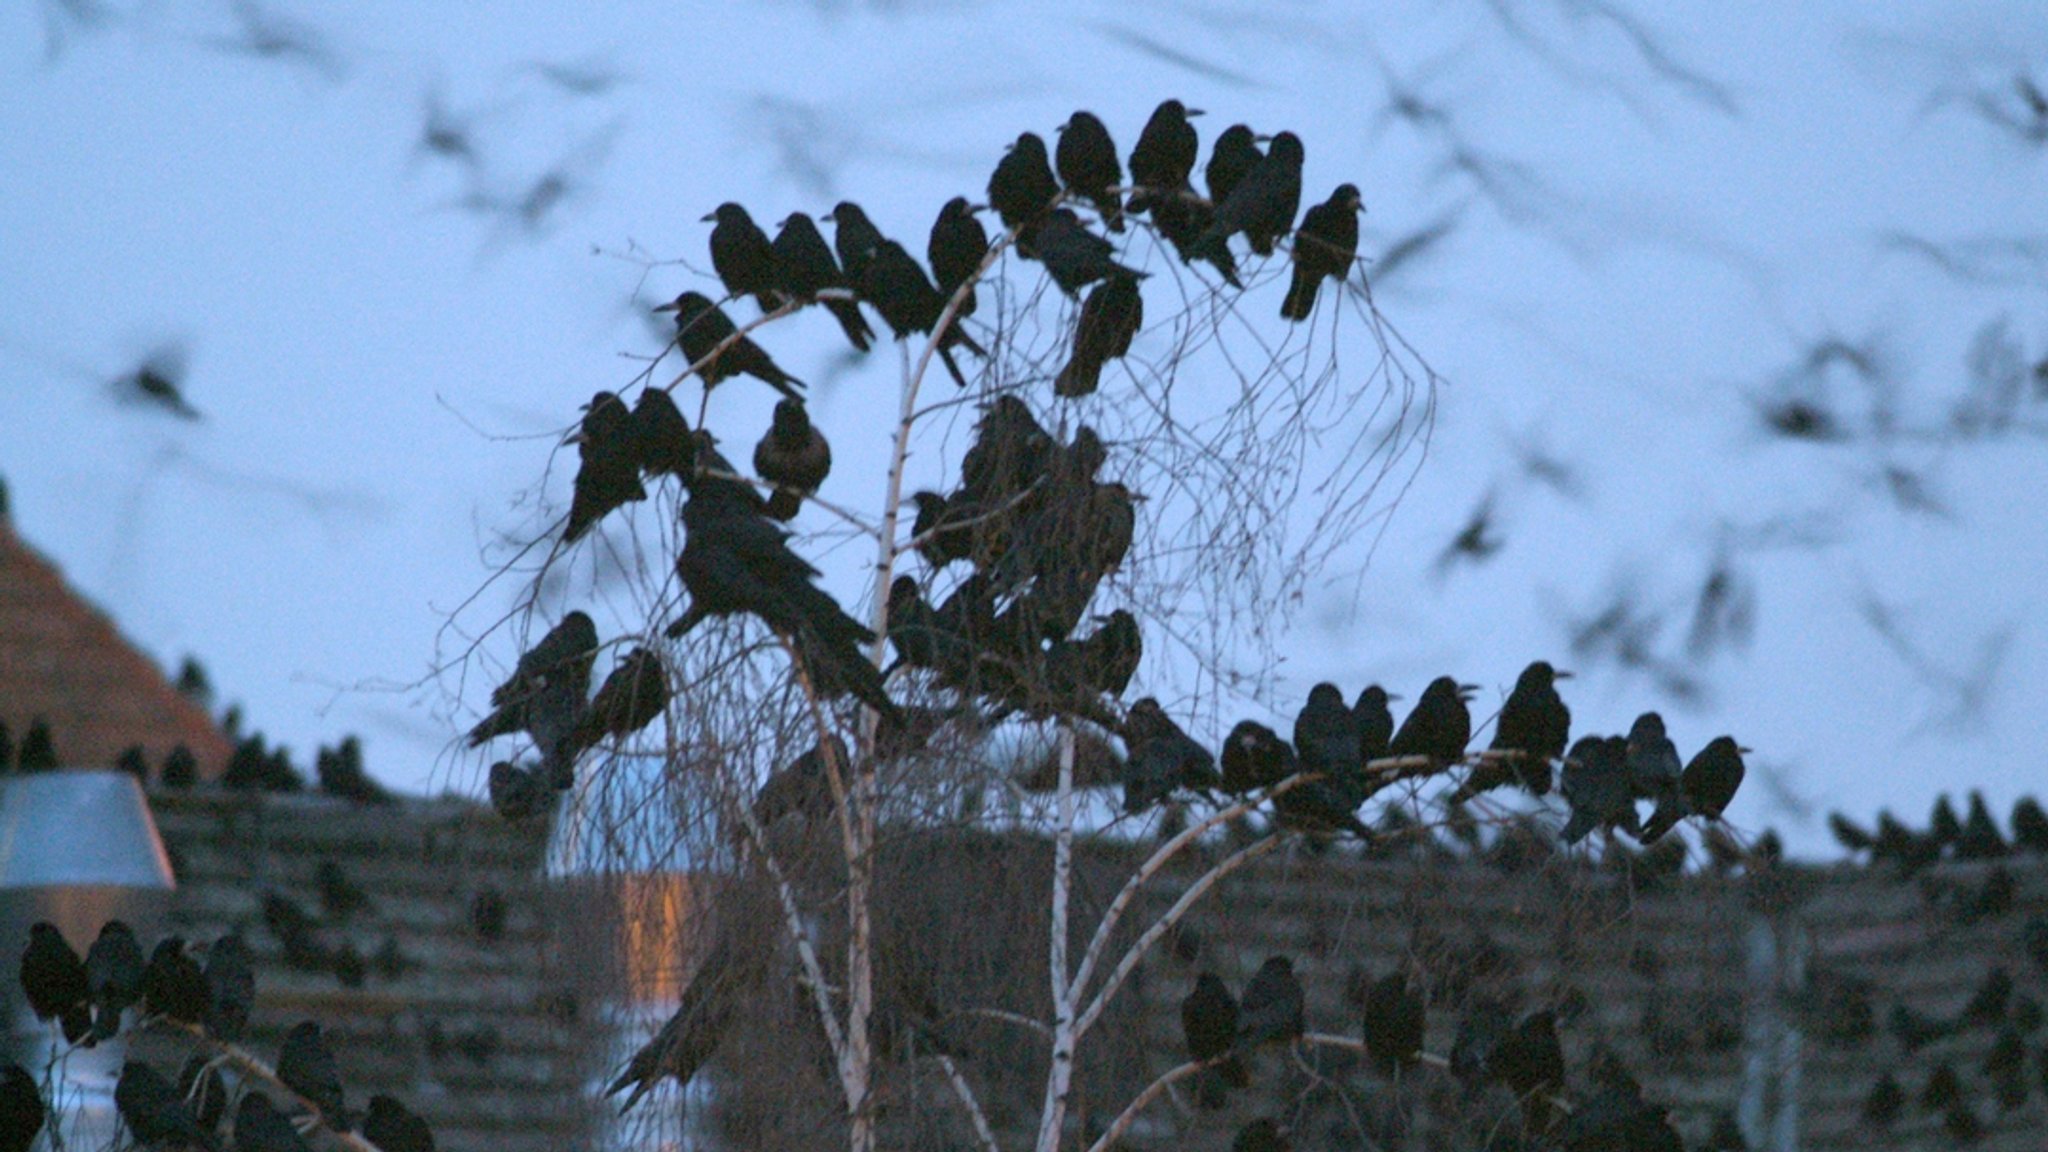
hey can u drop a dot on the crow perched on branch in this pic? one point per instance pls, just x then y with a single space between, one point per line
957 246
1163 157
608 472
1326 244
804 266
1022 185
1262 204
1110 319
632 696
546 692
735 561
1085 159
701 326
793 456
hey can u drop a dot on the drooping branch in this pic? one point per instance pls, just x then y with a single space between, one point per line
965 1091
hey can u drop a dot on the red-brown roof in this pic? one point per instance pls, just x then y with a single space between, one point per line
62 660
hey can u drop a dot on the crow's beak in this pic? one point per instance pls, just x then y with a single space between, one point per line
1193 112
672 306
708 217
1560 674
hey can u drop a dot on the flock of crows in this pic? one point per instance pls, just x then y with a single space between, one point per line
90 1000
1040 528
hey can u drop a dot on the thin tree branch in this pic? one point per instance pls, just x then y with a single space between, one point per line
967 1100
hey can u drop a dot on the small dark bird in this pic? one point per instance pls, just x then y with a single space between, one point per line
1010 452
1980 839
743 258
1271 1010
1898 843
804 266
1022 186
173 986
393 1127
957 246
1712 777
1208 1021
1231 159
340 773
546 694
1326 245
1529 1060
230 988
1943 827
519 793
260 1127
153 1112
1085 159
2030 826
1254 757
1074 256
854 238
21 1109
1260 1135
897 287
1110 319
1535 722
735 561
792 455
1885 1102
297 932
1439 726
688 1039
54 981
702 326
1262 205
305 1066
113 976
1161 757
1375 722
1850 835
159 383
662 436
608 475
1395 1021
1326 739
1653 772
1596 785
180 770
1164 156
630 699
340 897
803 788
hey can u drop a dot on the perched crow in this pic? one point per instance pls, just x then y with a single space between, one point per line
153 1112
1850 835
1325 245
691 1035
1980 839
1942 825
1208 1021
735 561
21 1109
1161 758
54 981
1617 1119
393 1127
743 258
1712 777
260 1127
340 897
1535 722
1110 319
1395 1021
1085 159
1439 726
173 985
1271 1010
662 437
1375 722
804 266
1231 159
630 699
1529 1060
1022 186
702 326
1254 757
231 988
2030 826
792 455
1653 768
1326 738
855 238
1074 256
340 773
1262 204
305 1066
897 287
519 793
1596 785
1164 156
113 976
803 788
957 246
546 694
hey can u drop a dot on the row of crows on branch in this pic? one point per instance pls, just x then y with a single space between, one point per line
1347 754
